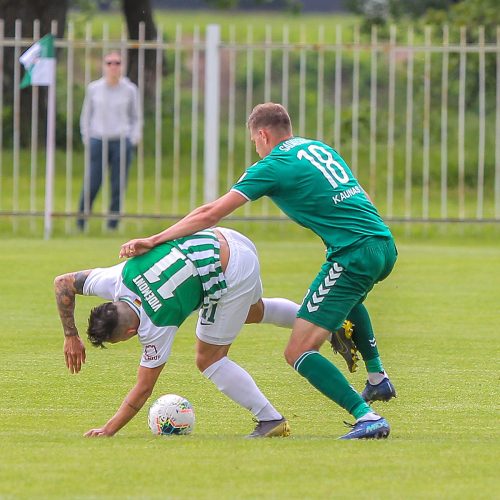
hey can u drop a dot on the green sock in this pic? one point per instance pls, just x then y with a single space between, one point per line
365 339
325 376
374 365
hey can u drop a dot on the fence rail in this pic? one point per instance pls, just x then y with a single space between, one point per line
415 114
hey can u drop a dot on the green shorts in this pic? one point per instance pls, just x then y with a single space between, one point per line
345 280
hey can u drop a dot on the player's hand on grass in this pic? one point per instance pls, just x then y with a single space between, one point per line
74 353
102 432
135 247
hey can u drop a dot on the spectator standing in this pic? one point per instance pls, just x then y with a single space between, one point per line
111 125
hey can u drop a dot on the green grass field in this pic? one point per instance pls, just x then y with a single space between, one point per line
437 320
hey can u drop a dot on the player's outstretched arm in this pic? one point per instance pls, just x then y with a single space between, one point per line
200 218
133 402
66 287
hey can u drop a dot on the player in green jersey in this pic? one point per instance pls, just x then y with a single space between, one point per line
216 271
313 185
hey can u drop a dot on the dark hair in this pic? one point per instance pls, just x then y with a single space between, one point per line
270 115
103 321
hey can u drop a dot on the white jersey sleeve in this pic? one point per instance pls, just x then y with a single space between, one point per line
156 341
104 282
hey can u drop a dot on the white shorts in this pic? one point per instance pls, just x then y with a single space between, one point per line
244 288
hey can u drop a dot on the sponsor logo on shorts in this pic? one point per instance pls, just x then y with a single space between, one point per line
324 288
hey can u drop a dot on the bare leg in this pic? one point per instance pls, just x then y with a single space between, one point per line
256 313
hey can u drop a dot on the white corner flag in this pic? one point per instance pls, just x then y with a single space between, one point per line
39 61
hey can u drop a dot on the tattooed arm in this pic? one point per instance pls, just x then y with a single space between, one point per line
66 287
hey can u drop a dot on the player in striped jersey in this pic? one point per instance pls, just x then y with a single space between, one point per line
215 271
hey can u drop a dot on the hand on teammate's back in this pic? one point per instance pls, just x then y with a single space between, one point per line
135 247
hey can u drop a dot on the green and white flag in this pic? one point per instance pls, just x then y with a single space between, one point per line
39 62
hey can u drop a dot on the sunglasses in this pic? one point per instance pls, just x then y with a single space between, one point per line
114 63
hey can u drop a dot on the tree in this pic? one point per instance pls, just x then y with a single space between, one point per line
136 12
472 14
28 11
379 11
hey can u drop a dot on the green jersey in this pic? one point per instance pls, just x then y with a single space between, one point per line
312 184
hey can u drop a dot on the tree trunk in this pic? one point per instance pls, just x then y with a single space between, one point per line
135 12
28 11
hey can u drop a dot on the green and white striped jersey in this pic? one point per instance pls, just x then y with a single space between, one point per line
203 250
164 286
163 277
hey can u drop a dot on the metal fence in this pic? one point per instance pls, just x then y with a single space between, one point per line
415 113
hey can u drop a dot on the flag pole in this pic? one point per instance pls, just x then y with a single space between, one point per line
40 64
50 157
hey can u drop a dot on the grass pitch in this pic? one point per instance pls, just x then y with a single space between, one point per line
436 318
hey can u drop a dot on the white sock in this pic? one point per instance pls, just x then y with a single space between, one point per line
280 312
237 384
369 416
376 377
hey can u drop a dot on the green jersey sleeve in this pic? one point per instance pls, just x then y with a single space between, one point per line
312 184
258 180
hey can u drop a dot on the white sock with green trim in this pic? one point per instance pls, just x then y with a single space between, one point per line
376 377
371 416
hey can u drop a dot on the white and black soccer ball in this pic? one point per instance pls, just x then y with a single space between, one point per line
171 414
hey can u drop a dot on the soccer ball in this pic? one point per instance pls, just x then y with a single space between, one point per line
171 414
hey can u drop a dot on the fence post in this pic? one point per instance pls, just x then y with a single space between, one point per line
50 148
212 112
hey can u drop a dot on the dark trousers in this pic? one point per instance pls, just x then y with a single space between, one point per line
93 179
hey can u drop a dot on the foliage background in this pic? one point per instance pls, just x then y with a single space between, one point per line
301 29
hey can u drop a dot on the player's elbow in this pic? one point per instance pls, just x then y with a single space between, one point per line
139 396
144 391
146 394
60 281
